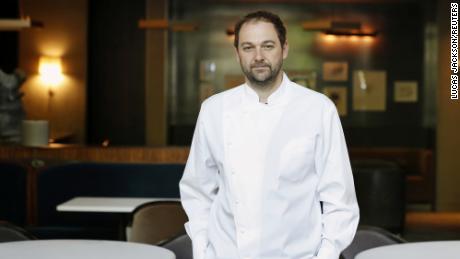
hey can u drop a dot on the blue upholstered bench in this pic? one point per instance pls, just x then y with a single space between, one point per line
13 182
58 184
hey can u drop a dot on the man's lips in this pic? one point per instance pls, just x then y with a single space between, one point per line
260 67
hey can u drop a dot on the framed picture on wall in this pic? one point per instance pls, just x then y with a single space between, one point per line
207 70
338 95
306 78
335 71
369 90
405 91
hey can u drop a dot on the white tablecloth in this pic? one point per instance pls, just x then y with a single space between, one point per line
417 250
106 204
81 249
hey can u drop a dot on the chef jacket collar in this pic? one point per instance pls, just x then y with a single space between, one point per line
276 97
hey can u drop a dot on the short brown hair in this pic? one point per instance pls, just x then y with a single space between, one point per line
262 16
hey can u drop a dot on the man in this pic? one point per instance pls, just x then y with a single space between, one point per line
268 175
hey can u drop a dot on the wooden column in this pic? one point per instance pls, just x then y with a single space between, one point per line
156 80
448 122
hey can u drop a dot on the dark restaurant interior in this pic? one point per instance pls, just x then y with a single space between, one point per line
114 88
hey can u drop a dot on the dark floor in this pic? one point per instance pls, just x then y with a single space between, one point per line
428 226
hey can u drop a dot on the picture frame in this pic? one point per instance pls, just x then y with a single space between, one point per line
335 71
405 91
338 95
306 78
369 90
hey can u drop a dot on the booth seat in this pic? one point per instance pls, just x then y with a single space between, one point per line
57 184
13 192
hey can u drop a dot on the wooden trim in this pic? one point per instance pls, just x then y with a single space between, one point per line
316 25
162 24
185 27
18 24
14 24
96 154
154 24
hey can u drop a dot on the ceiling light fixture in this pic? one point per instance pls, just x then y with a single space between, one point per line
338 28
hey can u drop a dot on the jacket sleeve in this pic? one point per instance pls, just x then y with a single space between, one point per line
336 189
198 188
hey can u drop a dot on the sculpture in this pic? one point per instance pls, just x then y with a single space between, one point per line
11 110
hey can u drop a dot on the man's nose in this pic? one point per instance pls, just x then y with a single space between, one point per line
259 55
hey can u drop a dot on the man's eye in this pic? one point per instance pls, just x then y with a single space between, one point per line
268 47
247 48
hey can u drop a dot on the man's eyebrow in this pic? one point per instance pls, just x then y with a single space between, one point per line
264 42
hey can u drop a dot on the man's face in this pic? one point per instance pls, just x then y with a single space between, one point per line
260 52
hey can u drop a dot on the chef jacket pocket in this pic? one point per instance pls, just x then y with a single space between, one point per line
295 158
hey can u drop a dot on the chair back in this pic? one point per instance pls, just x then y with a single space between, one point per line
157 222
181 247
380 190
10 233
368 237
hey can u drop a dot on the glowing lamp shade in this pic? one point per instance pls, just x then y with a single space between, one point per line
50 70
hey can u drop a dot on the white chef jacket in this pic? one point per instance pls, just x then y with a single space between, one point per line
256 175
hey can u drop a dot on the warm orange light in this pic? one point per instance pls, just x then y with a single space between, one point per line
50 70
368 39
347 39
354 38
330 38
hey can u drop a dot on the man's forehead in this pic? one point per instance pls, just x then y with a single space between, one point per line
258 31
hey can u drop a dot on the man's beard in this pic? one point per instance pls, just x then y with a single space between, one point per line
262 80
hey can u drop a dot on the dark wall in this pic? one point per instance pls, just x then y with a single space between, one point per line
9 39
399 51
116 97
116 49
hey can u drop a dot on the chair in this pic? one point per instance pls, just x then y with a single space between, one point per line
181 246
380 190
10 232
368 237
157 222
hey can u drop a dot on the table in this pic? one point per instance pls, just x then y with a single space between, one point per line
109 205
416 250
106 204
81 249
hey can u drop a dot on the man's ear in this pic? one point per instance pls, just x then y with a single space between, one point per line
285 49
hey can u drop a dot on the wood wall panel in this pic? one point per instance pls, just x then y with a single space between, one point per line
96 154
